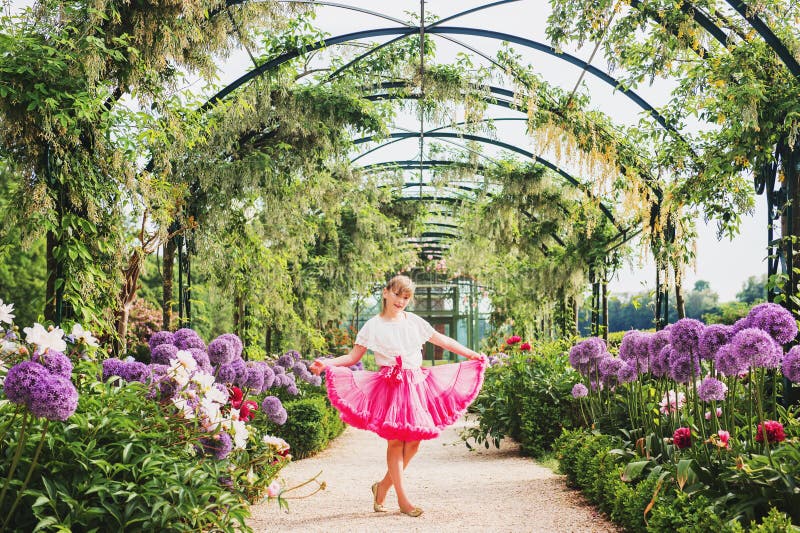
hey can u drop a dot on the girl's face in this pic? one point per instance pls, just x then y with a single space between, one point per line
396 301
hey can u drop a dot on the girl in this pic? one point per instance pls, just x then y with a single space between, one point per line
403 402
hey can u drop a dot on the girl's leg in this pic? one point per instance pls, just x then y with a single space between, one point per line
409 449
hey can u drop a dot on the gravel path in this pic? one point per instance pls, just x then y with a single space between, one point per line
460 490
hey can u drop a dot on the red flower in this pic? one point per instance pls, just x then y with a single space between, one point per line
236 397
246 410
682 438
525 347
774 432
514 339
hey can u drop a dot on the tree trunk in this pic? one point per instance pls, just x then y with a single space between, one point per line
126 296
680 306
604 288
52 274
168 268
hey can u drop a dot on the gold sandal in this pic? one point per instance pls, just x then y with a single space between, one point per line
415 512
377 507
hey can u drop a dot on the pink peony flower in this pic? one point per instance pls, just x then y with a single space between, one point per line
718 411
774 432
274 489
525 347
514 339
682 438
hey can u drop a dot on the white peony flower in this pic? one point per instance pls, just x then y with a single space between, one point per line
204 382
186 360
240 434
5 313
84 336
44 339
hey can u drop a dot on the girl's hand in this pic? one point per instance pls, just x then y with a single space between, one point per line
477 356
317 367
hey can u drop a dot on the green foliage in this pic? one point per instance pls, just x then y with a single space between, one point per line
311 425
527 398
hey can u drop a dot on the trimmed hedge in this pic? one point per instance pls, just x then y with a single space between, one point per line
311 425
591 464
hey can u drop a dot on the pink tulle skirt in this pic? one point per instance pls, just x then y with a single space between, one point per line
405 404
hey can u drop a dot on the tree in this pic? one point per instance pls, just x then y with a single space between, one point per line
753 290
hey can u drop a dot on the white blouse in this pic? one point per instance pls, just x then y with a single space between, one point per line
389 338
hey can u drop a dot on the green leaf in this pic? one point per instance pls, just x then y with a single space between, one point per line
685 474
633 470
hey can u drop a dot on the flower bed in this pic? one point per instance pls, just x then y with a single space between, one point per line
699 412
185 443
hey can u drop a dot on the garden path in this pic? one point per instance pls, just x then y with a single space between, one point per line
466 491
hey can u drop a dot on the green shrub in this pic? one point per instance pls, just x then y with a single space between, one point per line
528 399
774 522
312 423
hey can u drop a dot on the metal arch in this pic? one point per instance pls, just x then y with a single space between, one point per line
506 146
378 32
768 35
698 16
426 27
508 104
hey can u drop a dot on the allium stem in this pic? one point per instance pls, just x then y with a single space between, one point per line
17 454
28 476
10 422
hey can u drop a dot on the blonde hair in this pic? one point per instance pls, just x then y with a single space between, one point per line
400 285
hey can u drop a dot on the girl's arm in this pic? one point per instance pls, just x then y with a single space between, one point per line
454 346
351 358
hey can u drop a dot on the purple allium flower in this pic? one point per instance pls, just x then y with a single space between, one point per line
299 368
55 399
684 335
712 338
791 365
756 348
225 373
316 381
728 362
135 371
286 361
269 378
240 367
186 338
292 389
586 354
218 446
775 320
659 365
682 366
277 370
158 338
162 353
629 345
273 408
628 373
739 325
201 358
357 367
221 351
609 367
711 389
579 390
112 367
22 380
255 377
238 347
55 362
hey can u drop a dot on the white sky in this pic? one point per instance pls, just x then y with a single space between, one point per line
725 264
